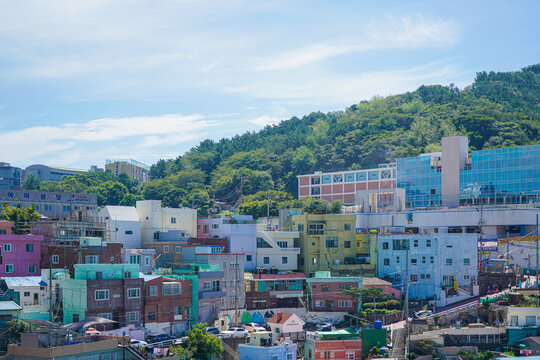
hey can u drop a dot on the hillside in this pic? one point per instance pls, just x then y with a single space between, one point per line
498 109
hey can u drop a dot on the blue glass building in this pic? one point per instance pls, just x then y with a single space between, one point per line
491 177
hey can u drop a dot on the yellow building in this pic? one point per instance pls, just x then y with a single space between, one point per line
327 242
134 169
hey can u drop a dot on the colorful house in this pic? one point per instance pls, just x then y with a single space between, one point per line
326 292
271 291
112 291
339 344
20 255
327 243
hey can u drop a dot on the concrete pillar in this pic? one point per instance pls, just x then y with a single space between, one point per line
454 159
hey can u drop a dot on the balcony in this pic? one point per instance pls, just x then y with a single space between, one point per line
211 294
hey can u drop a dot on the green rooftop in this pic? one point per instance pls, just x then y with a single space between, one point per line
343 334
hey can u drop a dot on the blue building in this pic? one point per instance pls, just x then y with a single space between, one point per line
10 176
453 177
440 266
263 347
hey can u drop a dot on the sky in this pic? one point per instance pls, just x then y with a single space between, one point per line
88 80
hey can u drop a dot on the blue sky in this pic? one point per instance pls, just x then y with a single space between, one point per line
82 81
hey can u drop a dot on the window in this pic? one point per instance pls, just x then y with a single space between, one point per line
261 243
29 247
397 277
349 356
134 293
347 244
385 246
414 261
99 275
132 316
266 260
7 247
135 259
55 259
171 288
207 285
325 287
147 260
428 276
66 208
316 229
156 233
166 249
423 259
152 290
128 232
448 261
102 294
106 316
282 244
284 260
9 268
177 310
431 259
414 277
466 277
127 274
347 227
300 227
415 243
530 320
387 262
173 220
91 259
331 242
513 320
344 303
289 356
215 226
466 261
397 259
345 286
319 303
249 257
32 269
151 315
428 243
178 249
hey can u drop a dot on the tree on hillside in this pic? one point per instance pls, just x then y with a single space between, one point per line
31 183
201 345
21 218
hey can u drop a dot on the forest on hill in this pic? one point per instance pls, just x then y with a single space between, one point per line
499 109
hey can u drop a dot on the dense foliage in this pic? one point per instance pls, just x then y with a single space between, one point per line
21 218
498 109
200 345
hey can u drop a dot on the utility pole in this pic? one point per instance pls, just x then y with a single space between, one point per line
407 303
50 301
507 248
537 254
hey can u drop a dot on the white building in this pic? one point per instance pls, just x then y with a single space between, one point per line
143 257
276 249
517 317
285 323
123 225
441 267
163 223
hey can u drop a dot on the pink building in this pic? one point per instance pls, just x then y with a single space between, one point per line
384 285
20 255
343 185
5 227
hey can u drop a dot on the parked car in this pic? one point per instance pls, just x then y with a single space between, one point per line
325 327
235 332
138 343
158 338
253 327
211 330
424 313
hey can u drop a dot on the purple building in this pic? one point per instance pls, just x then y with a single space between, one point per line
20 255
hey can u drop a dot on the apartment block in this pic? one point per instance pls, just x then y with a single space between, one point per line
276 250
123 225
326 292
134 169
271 291
20 255
10 176
163 223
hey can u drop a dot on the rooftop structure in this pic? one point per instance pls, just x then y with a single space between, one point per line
50 173
133 169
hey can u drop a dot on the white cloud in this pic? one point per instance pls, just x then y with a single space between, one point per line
266 120
404 32
69 143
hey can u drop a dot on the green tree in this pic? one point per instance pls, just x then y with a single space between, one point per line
21 218
201 346
303 161
31 183
109 193
130 199
158 170
16 328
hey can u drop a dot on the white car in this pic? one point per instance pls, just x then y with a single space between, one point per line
138 343
253 327
235 332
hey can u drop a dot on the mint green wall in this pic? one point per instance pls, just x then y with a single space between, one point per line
74 294
110 271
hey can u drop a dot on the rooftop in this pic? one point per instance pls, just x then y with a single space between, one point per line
122 213
9 306
17 281
293 276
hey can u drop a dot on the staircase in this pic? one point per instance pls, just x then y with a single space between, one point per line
133 352
398 344
229 350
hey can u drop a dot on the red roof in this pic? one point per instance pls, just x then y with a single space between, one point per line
279 318
279 276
